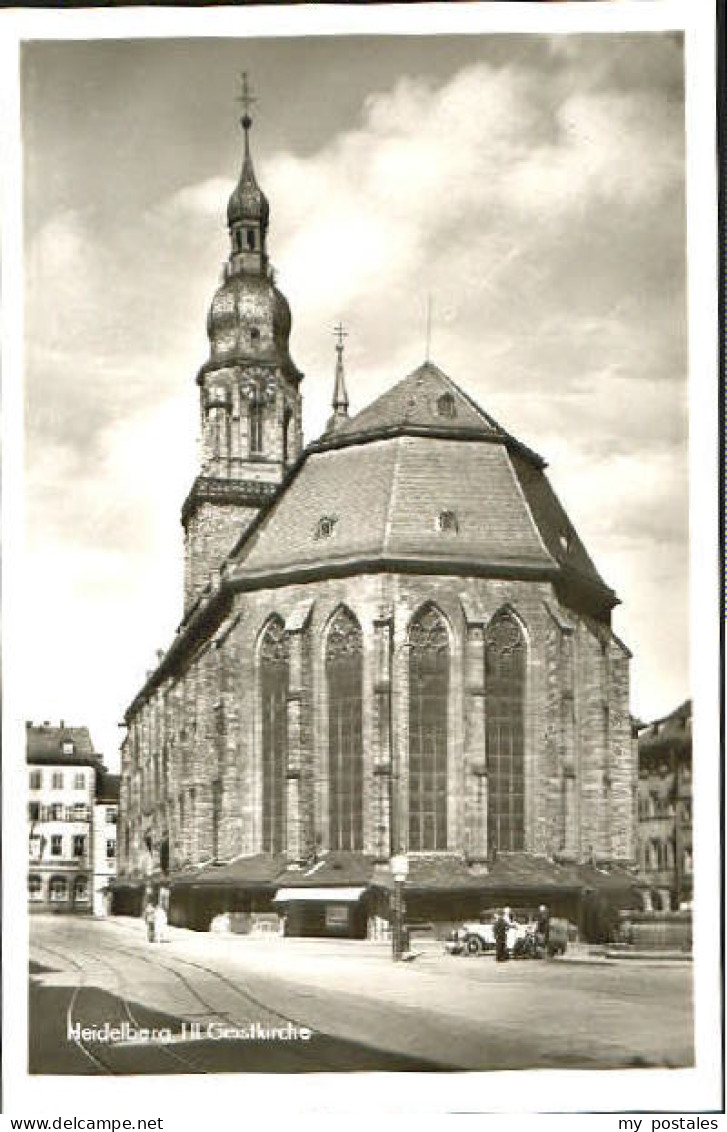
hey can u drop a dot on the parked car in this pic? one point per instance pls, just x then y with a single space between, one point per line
477 936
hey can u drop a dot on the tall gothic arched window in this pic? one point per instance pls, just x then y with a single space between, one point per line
428 724
344 672
274 675
505 732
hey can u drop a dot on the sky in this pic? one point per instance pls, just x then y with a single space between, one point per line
533 185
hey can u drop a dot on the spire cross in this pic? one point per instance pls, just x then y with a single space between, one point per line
247 99
340 334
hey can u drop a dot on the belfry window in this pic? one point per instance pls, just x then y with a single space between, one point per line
274 675
505 732
345 732
251 239
256 427
428 724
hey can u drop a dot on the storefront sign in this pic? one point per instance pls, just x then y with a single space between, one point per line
337 916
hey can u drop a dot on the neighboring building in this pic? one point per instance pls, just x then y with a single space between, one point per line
665 810
64 771
105 825
393 639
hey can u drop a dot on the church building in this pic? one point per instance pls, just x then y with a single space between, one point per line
393 642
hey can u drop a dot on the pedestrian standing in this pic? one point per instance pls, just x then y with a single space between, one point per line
149 921
500 928
543 928
160 924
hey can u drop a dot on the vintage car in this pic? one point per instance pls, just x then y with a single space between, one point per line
478 936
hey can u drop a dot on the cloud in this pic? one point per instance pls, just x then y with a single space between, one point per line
207 199
506 203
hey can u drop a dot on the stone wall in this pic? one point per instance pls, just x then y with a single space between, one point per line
192 768
210 535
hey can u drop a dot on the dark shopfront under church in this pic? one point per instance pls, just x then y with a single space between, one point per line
392 639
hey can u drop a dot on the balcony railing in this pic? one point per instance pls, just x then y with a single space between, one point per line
58 812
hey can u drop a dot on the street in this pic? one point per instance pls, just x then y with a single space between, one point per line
364 1012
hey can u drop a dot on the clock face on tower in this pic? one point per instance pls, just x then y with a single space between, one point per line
258 386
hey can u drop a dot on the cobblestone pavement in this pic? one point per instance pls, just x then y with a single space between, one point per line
437 1012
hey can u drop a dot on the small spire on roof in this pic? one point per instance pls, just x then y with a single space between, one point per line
340 396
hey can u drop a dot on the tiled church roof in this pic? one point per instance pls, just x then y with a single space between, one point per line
384 500
414 403
421 458
408 484
555 528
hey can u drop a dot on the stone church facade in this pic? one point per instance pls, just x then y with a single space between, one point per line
392 640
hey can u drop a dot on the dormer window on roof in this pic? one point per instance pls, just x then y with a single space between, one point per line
325 525
446 406
68 747
447 522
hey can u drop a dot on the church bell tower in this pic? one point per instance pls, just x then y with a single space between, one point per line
250 404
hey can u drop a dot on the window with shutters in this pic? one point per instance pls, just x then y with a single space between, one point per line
428 722
345 732
505 732
274 676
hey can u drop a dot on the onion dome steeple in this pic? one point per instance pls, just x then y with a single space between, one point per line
249 319
248 211
250 404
